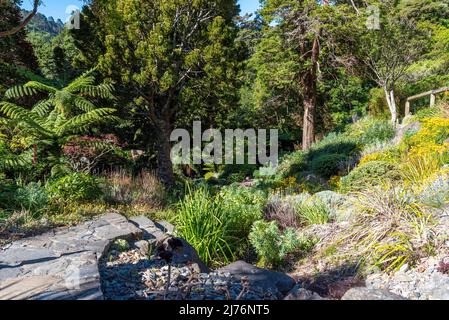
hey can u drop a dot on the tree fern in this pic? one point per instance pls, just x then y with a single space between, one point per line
55 120
69 100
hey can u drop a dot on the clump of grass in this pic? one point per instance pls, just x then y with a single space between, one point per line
418 168
389 230
313 212
202 222
435 191
142 190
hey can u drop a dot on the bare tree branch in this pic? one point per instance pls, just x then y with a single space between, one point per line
22 25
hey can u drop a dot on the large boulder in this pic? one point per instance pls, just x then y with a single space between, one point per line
266 279
158 235
182 254
64 263
370 294
152 232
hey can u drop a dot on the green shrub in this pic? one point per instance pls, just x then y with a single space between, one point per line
271 245
334 143
7 195
242 206
427 113
380 131
370 174
237 173
325 158
328 165
32 197
377 105
291 165
75 187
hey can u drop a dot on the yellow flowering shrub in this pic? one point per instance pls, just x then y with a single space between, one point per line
376 156
424 149
335 182
421 155
433 131
289 183
427 150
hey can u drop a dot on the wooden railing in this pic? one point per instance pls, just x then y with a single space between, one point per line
432 95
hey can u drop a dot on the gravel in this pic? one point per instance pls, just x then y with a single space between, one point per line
131 275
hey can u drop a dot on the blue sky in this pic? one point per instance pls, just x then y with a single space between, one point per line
57 8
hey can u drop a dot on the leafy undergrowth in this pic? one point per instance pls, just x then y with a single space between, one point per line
32 208
394 198
357 198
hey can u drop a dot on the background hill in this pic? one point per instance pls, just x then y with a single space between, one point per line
40 23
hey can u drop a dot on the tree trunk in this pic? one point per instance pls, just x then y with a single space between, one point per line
165 165
391 101
308 135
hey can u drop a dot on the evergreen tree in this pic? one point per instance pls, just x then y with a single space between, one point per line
172 56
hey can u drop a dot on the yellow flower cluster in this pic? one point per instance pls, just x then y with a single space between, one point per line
432 130
424 149
420 155
335 182
426 141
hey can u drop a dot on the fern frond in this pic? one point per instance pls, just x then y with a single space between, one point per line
83 104
82 122
13 162
19 92
40 87
101 91
24 116
43 107
86 79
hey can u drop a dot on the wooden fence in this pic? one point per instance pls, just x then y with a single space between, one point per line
432 94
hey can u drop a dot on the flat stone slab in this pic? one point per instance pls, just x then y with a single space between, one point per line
62 264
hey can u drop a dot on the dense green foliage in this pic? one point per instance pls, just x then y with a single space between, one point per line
74 187
370 174
86 117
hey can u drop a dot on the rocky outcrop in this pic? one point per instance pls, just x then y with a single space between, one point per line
428 281
119 259
370 294
62 264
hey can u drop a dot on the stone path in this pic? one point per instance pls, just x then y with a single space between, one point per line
87 262
62 264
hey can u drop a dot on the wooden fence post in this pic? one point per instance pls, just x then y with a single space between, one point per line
407 108
432 100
